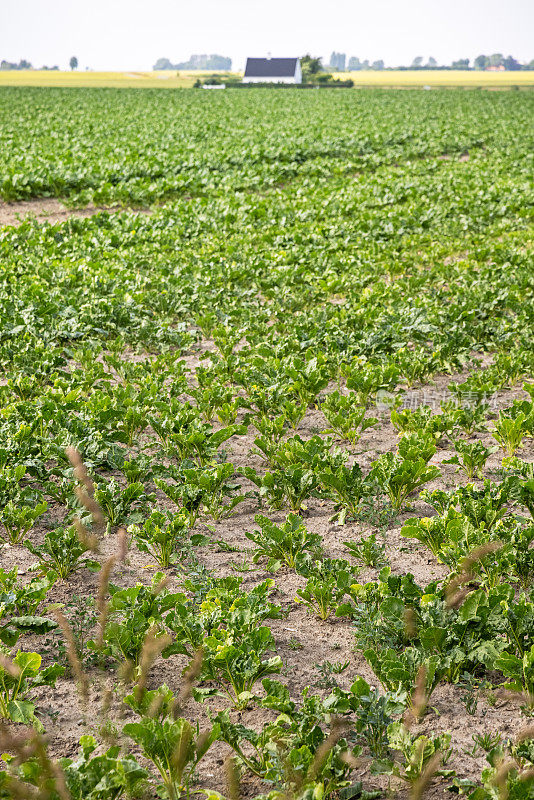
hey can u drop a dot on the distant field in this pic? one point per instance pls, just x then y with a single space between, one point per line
439 78
169 79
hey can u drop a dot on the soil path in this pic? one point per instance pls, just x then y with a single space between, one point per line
49 210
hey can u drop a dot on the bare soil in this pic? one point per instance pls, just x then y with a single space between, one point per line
49 209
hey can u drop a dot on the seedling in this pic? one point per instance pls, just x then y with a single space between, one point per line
471 457
509 433
347 487
62 553
327 671
345 418
399 477
171 744
17 680
283 544
322 595
122 505
19 520
368 551
164 536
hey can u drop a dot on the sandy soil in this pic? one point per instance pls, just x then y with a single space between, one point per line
48 210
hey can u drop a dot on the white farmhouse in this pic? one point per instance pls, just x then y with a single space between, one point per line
273 70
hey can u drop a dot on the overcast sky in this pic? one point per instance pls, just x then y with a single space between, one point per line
132 34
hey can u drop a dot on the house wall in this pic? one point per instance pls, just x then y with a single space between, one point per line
273 80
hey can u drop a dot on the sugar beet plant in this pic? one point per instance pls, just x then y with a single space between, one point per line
313 329
284 544
400 475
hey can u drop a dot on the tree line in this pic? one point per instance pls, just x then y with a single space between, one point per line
340 63
23 64
313 66
213 61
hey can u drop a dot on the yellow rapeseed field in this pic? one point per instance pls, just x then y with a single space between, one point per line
415 78
169 79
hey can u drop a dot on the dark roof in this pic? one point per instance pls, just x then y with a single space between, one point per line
270 67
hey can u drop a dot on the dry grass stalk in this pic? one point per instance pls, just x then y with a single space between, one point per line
17 741
525 734
179 755
88 540
80 470
423 782
190 676
337 729
501 776
25 745
85 492
9 666
126 672
154 708
152 648
161 586
457 589
513 697
409 623
122 549
91 505
455 599
419 698
353 763
107 699
72 655
102 605
233 786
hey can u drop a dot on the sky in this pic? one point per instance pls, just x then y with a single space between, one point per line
133 34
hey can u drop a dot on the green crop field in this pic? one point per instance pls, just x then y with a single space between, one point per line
266 444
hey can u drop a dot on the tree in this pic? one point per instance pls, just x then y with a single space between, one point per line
417 62
481 62
200 62
461 63
432 62
310 67
162 63
23 64
205 61
496 60
511 63
73 63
